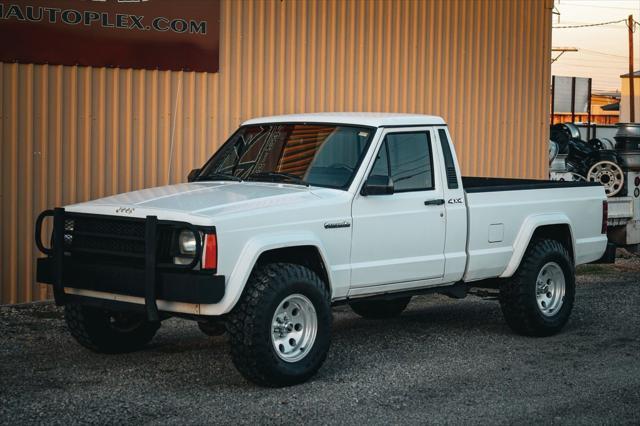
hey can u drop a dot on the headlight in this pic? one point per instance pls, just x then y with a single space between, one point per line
187 242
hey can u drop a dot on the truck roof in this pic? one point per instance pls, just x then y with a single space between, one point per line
374 119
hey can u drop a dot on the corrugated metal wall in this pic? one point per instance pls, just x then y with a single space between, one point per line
71 134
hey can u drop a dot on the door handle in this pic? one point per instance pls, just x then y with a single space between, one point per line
437 202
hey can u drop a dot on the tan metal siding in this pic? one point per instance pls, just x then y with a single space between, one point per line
71 134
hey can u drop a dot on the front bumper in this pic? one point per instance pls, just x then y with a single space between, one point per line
69 267
173 286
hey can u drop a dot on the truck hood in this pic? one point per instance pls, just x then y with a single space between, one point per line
203 199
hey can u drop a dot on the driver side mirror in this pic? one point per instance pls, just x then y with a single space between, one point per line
378 185
192 175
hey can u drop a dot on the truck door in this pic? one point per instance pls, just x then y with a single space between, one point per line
400 237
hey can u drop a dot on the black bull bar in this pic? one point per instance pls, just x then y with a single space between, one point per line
137 274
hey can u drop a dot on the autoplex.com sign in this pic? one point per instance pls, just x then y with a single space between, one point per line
148 34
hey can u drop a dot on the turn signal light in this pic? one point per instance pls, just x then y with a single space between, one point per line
605 216
210 253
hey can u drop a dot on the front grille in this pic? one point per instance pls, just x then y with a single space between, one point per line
115 240
97 234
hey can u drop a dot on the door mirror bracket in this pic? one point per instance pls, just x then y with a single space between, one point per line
378 185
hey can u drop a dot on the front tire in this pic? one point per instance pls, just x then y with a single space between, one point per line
109 332
280 330
380 309
538 299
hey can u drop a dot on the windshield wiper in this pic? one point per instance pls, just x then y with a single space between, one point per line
219 176
278 177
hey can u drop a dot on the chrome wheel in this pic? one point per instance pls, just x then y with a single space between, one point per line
609 175
294 328
550 289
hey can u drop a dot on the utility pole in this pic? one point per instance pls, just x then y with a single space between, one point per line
561 50
632 97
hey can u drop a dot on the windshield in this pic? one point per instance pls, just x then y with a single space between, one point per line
307 154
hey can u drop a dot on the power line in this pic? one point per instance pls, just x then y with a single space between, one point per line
618 65
586 62
581 49
595 60
582 4
592 64
591 25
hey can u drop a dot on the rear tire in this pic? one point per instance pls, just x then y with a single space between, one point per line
109 332
538 299
380 309
280 330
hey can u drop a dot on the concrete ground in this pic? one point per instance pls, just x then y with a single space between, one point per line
442 361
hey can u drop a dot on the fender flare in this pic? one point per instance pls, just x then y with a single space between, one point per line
251 253
528 228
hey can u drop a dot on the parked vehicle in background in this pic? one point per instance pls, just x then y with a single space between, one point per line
612 160
297 213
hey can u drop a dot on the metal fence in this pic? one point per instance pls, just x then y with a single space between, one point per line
71 134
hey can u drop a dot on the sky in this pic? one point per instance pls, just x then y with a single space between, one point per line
602 50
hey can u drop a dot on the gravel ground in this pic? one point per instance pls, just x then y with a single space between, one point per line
442 361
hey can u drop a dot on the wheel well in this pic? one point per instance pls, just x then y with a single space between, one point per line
560 233
308 256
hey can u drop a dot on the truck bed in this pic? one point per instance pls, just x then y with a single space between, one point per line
474 184
501 212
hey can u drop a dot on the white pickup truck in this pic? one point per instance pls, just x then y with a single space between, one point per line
296 213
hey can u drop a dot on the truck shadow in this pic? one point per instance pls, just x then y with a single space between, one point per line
441 316
446 319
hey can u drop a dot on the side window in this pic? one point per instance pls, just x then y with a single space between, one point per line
406 157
